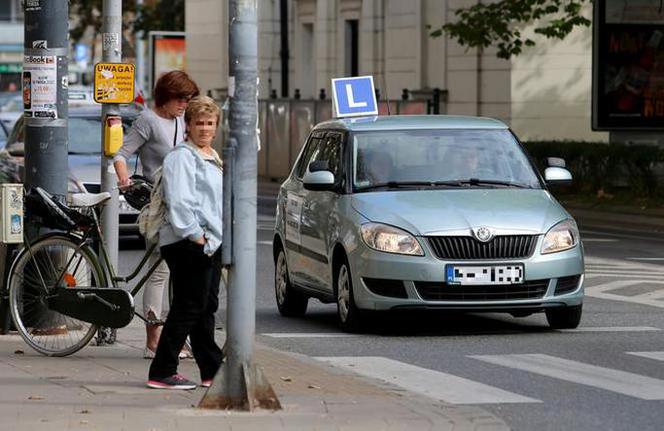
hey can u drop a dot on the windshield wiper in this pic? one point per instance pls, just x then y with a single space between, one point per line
477 182
406 184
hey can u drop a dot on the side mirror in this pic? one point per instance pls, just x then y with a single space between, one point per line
318 180
556 162
557 176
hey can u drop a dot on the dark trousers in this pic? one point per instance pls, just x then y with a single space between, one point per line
195 279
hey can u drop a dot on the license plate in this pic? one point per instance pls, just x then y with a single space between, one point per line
489 274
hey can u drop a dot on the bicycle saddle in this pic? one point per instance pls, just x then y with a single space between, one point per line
89 199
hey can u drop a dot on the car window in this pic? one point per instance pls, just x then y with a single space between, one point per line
430 156
305 159
330 151
84 134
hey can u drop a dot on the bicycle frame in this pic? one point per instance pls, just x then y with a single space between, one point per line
108 268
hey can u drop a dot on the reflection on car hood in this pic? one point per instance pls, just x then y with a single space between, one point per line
431 212
86 168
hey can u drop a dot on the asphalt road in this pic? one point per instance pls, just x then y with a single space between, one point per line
607 375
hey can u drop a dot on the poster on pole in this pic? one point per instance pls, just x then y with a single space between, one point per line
167 50
40 86
628 65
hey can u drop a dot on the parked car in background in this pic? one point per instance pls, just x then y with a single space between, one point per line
11 109
4 135
425 212
84 155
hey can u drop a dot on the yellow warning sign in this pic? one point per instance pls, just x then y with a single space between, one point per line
114 82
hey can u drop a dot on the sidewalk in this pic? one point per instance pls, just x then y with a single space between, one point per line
103 388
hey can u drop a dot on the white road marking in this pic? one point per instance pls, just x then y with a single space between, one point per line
307 335
646 258
612 329
611 285
434 384
599 240
264 242
658 356
622 382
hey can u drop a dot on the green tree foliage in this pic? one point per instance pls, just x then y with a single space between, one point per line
498 23
151 16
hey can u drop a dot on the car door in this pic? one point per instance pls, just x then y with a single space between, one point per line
294 194
319 214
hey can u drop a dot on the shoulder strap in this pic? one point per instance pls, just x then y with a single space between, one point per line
175 136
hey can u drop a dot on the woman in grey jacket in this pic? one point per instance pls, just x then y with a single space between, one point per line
190 241
152 135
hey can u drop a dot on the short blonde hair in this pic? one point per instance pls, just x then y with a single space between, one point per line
201 105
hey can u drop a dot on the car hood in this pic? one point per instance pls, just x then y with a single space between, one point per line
86 168
455 212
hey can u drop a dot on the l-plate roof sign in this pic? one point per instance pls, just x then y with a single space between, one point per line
354 97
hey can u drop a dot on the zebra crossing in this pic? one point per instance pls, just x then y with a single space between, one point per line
627 281
453 389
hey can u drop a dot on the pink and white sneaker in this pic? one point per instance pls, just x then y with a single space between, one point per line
176 381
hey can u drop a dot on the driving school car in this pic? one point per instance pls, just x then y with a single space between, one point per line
422 212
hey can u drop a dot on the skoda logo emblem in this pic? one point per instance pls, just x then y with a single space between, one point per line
483 234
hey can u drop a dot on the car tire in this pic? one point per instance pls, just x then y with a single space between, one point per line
290 302
350 317
565 317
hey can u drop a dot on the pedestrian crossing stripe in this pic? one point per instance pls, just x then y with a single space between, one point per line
622 382
430 383
454 389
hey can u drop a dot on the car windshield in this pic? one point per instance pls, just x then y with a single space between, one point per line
440 158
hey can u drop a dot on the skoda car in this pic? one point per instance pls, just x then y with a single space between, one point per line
425 212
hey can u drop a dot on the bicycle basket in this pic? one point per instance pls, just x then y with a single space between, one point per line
52 213
138 194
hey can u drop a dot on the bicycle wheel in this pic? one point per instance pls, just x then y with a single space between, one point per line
53 262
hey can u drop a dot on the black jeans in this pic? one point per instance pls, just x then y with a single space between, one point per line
196 279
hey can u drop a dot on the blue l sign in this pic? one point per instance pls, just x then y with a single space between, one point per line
354 97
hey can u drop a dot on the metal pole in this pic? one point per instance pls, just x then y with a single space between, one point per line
111 53
45 96
240 384
140 57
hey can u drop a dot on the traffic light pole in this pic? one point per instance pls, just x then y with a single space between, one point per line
45 91
240 384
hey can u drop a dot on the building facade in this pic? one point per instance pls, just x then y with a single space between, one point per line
545 93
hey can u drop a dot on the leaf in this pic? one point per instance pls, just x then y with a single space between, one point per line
35 397
286 379
19 352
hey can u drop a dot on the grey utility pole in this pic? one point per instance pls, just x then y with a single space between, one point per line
240 384
140 58
45 92
111 53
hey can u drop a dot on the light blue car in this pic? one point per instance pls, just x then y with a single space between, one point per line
425 212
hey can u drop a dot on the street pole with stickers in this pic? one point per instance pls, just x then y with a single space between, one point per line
240 383
45 90
113 84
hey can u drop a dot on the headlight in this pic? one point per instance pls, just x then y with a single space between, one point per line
562 236
390 239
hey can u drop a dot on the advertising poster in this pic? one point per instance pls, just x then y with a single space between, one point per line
629 65
168 51
40 90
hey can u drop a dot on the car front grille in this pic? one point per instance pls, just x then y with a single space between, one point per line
441 291
468 248
567 284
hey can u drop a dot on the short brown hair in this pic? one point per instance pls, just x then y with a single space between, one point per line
175 84
201 105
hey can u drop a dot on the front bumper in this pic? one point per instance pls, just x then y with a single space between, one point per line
552 280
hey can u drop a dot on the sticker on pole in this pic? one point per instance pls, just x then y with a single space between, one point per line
40 86
354 97
114 82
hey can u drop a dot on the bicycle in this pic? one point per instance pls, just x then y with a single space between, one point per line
59 291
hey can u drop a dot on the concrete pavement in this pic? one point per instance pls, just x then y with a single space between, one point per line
103 388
